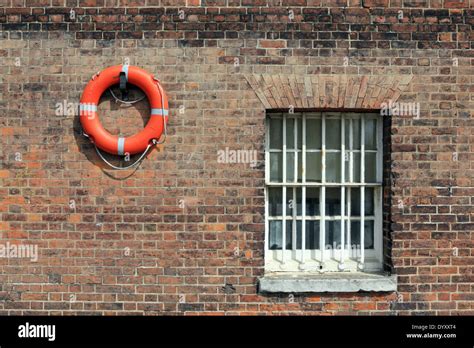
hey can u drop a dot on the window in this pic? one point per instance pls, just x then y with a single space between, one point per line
323 191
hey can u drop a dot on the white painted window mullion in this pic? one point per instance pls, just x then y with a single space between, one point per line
378 193
303 189
322 201
267 179
351 153
362 193
295 137
295 179
349 220
284 203
351 179
343 166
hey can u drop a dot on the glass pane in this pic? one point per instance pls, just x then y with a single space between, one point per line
370 167
298 235
355 201
313 133
289 233
276 133
299 198
313 167
333 234
276 171
368 201
274 242
356 166
347 130
290 133
333 134
333 201
333 167
312 235
347 158
356 134
300 167
290 201
275 201
368 234
370 134
290 166
299 139
312 201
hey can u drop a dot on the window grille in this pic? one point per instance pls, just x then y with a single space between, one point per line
323 188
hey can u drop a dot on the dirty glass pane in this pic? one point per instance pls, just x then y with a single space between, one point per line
289 234
333 234
313 133
290 201
312 235
299 198
276 171
275 233
370 167
356 166
368 234
276 134
300 167
313 167
333 167
290 166
290 133
312 201
368 201
333 134
275 201
275 229
298 234
299 139
370 134
356 134
333 201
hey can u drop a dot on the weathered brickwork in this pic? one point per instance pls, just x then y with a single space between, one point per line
184 234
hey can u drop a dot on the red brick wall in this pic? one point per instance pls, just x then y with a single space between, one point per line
184 234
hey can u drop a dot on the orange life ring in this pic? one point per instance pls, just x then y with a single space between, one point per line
90 121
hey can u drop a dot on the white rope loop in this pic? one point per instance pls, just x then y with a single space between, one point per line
123 168
128 103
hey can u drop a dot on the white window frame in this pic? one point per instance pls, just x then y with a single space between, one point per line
283 260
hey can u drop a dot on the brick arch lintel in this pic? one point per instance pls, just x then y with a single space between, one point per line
327 91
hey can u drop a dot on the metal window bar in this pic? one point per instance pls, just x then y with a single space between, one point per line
322 201
267 179
349 222
343 166
362 194
303 189
378 217
351 179
284 202
295 179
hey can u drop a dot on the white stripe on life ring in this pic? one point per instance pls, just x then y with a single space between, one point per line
159 112
89 107
120 146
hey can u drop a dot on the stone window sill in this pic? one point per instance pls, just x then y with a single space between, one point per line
326 282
